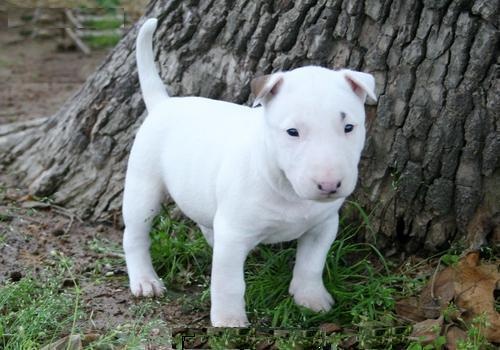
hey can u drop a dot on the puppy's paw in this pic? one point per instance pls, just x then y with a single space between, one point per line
147 286
230 320
312 296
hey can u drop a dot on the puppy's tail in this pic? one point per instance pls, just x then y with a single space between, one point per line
153 90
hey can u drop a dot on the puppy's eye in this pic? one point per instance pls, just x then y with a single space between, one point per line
348 128
293 132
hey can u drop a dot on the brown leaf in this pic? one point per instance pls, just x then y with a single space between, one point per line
329 328
470 284
438 293
70 342
90 337
349 342
474 291
444 285
427 331
453 335
471 259
410 309
264 344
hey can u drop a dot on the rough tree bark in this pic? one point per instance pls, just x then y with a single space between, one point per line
430 171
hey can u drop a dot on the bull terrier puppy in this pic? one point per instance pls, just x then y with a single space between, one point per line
246 175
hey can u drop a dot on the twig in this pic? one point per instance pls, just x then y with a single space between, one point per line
25 217
71 219
79 43
34 19
114 255
71 17
64 211
199 318
434 275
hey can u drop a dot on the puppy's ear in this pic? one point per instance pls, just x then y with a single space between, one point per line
362 84
265 87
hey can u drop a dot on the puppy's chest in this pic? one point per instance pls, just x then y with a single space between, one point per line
289 225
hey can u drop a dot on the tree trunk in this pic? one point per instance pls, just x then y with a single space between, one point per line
429 174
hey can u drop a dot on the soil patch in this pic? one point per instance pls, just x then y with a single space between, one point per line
36 78
32 235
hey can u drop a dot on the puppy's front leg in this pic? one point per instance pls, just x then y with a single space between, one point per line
307 285
227 288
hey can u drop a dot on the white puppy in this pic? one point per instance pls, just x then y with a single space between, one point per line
246 175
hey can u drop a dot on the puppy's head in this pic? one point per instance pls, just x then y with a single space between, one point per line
316 127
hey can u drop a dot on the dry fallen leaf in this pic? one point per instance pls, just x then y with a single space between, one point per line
70 342
438 293
329 328
409 309
89 338
433 299
475 286
453 335
427 331
469 284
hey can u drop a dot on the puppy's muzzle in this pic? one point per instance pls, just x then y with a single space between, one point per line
329 187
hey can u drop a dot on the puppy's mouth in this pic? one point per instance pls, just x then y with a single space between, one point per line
341 193
323 197
329 197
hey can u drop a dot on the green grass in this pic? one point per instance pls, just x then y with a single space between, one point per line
36 310
104 23
180 254
3 63
356 275
364 284
41 309
102 41
108 4
362 291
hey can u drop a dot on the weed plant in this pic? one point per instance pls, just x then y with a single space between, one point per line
43 308
36 310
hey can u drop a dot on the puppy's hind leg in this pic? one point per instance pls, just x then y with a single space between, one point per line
141 202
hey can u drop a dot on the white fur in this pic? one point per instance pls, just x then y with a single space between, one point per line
236 172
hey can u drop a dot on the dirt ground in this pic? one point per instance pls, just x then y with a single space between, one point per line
35 80
33 232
